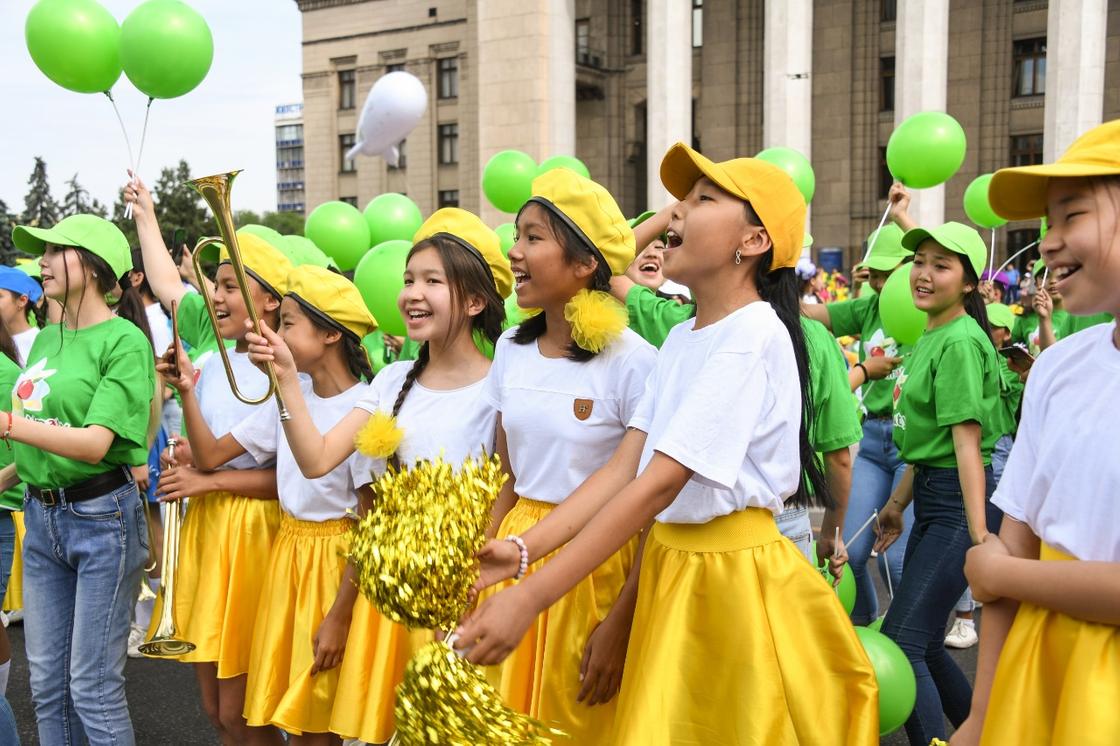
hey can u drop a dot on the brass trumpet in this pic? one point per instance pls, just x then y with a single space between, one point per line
215 190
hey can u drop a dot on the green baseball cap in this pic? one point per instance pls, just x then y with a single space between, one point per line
1001 315
955 237
89 232
639 219
807 243
887 251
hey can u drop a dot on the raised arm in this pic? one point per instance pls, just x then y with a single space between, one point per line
159 267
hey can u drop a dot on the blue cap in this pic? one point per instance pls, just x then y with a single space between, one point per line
19 282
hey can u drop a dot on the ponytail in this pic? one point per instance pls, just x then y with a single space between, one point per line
131 307
414 372
974 304
356 358
37 312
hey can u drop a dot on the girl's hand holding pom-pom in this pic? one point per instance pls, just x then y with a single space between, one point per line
498 561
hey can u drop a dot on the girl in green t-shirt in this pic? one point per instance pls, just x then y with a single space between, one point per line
80 420
942 426
11 499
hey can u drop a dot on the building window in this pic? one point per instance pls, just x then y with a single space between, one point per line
346 89
888 10
397 68
697 23
885 177
449 198
349 200
1026 150
289 134
448 144
1030 67
583 40
402 157
886 84
345 142
637 29
449 77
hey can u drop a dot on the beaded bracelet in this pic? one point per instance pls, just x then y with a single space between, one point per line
524 566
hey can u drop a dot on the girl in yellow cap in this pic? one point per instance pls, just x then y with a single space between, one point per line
306 602
227 535
454 281
1049 663
734 634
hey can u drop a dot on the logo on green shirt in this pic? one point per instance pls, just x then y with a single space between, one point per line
32 388
899 418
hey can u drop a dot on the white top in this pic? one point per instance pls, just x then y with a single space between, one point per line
454 423
160 326
333 495
222 410
23 341
725 402
1063 476
564 419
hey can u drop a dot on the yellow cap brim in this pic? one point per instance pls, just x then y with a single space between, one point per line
682 167
1020 193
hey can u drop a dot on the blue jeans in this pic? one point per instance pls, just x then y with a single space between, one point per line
9 734
7 549
875 474
932 582
794 524
82 563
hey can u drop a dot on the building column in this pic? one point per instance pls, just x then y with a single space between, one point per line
787 114
526 81
668 88
1075 52
922 62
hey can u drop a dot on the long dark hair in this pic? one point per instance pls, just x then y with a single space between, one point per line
466 276
105 281
974 304
8 345
575 251
35 314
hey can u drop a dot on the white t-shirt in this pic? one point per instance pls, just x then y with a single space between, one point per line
23 341
725 402
454 424
332 495
1063 476
160 326
564 419
222 410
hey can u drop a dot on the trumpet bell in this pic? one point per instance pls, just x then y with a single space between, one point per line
167 646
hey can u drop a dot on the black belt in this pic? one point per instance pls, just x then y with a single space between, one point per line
86 490
880 416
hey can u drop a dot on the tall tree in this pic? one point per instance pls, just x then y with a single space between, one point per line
76 199
285 223
8 251
178 206
39 207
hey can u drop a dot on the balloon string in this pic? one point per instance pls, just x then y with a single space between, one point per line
1017 253
991 252
127 144
143 139
875 235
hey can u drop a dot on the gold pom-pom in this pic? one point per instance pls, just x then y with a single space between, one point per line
597 319
445 700
414 552
379 437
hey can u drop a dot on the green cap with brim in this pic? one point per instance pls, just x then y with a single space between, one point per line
807 243
1000 315
1039 267
639 219
887 251
96 235
955 237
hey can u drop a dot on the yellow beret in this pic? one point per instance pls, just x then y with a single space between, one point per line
466 230
589 210
332 298
262 261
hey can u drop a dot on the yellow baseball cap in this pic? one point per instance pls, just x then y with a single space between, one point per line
1019 193
332 298
769 190
263 262
465 229
591 212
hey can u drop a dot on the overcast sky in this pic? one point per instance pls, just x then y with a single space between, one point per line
225 123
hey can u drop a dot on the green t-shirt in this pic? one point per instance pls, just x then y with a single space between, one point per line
194 325
12 499
100 375
1005 417
860 316
1026 329
1075 324
951 377
836 424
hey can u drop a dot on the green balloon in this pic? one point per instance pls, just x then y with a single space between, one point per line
507 234
301 250
926 149
564 161
901 318
166 48
515 314
275 240
392 217
977 206
507 180
341 231
75 43
379 277
846 590
794 164
898 689
877 625
379 355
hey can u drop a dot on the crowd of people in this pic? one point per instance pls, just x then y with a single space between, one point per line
670 406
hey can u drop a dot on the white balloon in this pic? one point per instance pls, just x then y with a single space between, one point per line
393 108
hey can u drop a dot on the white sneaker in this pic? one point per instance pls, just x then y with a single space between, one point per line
136 637
15 617
962 635
4 619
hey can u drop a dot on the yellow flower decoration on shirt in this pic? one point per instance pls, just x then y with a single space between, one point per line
379 437
597 319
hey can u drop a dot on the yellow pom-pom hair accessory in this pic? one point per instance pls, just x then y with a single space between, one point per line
597 319
379 437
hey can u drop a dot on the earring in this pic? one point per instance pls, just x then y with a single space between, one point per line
738 257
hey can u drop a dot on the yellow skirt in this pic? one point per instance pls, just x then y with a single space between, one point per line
13 599
1057 680
377 651
541 676
737 641
302 582
224 546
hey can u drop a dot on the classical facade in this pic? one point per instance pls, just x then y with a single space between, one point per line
617 81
